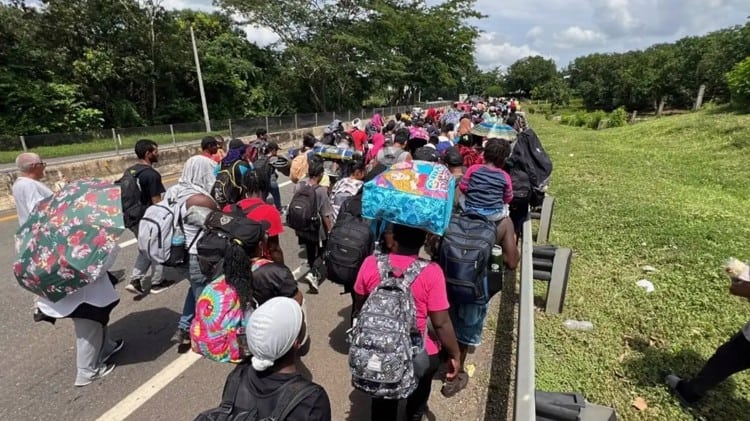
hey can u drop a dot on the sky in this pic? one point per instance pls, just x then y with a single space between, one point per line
565 29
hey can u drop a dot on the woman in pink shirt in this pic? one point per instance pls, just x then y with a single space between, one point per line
431 300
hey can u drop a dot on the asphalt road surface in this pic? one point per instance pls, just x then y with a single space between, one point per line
152 380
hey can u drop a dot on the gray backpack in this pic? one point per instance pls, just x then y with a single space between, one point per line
385 341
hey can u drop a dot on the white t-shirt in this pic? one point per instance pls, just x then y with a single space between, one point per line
27 192
192 233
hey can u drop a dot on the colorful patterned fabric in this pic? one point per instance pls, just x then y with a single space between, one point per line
68 237
417 194
218 325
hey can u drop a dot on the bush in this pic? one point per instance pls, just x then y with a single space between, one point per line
580 119
618 118
592 122
739 83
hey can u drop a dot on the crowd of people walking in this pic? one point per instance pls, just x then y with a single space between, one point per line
220 218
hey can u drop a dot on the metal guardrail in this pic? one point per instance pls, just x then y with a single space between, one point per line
525 400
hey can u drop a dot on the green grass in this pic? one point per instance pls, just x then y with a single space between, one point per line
103 145
671 193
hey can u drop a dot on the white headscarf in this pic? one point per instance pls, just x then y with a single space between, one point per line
272 329
197 177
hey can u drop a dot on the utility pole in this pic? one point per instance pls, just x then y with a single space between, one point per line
200 82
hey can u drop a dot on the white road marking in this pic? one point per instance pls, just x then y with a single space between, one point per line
155 384
147 390
286 183
128 243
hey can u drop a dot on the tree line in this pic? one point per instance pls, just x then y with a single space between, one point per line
663 74
70 65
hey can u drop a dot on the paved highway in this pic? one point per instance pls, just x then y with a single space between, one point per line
152 381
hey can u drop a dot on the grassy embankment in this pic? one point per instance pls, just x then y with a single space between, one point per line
672 193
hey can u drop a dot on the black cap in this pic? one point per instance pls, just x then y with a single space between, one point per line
452 157
208 141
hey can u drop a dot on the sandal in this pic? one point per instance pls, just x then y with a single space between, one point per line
451 387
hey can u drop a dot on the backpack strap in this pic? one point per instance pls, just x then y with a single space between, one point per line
237 210
258 263
293 392
231 389
407 277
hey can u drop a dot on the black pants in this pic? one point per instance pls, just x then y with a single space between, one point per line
416 403
732 357
314 252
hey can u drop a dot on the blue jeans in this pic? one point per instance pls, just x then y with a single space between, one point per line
197 282
276 193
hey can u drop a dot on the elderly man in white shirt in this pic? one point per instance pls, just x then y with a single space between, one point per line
88 307
27 189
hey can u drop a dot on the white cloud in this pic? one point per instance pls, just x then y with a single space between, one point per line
493 52
575 36
535 33
614 17
203 5
262 36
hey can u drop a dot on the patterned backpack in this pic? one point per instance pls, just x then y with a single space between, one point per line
218 325
218 328
385 341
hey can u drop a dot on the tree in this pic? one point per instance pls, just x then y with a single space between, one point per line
526 73
556 91
739 83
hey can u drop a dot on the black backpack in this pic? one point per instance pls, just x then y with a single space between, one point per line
464 254
239 403
221 229
302 214
228 188
351 240
133 207
264 170
530 168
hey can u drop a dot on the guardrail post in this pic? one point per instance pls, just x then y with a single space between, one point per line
114 140
266 123
316 119
229 121
295 122
23 143
174 139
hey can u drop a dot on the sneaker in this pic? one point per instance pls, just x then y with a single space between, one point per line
312 279
119 343
162 286
451 387
135 286
103 371
673 382
181 337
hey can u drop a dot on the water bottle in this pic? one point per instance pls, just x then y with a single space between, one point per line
578 324
495 270
178 238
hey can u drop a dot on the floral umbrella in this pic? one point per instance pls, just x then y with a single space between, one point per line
68 237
